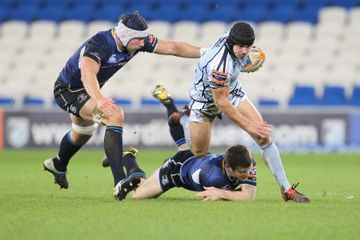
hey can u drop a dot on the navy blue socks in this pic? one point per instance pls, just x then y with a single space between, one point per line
113 146
67 149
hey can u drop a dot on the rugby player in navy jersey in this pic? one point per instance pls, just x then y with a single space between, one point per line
228 176
77 91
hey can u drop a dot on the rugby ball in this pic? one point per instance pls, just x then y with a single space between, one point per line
254 59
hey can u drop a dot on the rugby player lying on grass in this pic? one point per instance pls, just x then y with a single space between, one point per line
228 176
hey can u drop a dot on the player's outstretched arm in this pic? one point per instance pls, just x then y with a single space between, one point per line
247 193
179 49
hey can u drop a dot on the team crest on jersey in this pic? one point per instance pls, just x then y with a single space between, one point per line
113 59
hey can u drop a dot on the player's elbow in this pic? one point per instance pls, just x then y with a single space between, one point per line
251 195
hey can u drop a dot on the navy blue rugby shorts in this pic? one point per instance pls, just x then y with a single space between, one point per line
70 99
169 173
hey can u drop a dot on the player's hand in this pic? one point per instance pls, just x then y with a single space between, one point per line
210 194
259 129
150 43
106 106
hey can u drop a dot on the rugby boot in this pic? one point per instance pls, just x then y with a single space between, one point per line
59 177
161 94
292 195
130 150
127 185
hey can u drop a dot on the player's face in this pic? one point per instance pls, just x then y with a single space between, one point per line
241 50
135 44
238 173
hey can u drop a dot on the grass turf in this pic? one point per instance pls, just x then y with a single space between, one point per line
32 207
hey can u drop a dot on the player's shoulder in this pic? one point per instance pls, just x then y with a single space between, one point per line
102 37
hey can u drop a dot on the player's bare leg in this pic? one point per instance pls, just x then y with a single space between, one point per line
81 132
200 134
271 154
149 188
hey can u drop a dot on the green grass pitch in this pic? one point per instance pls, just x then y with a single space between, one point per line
32 207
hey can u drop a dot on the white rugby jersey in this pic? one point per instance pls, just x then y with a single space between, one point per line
217 68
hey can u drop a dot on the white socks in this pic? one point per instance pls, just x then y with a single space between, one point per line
273 161
184 120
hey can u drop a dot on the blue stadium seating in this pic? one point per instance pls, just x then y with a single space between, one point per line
28 3
7 102
355 97
51 12
198 11
303 95
24 13
268 103
62 3
108 13
253 13
123 102
307 14
280 14
3 14
169 13
151 102
7 4
224 13
81 13
33 102
347 3
333 95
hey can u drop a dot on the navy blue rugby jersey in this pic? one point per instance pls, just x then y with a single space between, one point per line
199 172
103 49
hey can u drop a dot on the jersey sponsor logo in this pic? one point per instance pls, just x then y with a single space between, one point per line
73 109
164 180
219 77
115 59
81 98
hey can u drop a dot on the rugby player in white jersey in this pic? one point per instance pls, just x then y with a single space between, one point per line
216 90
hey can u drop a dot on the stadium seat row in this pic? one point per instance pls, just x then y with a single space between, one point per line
319 56
199 11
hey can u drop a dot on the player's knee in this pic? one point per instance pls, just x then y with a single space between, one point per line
118 117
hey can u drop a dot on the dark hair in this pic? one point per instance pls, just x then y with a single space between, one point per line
241 33
237 156
134 21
